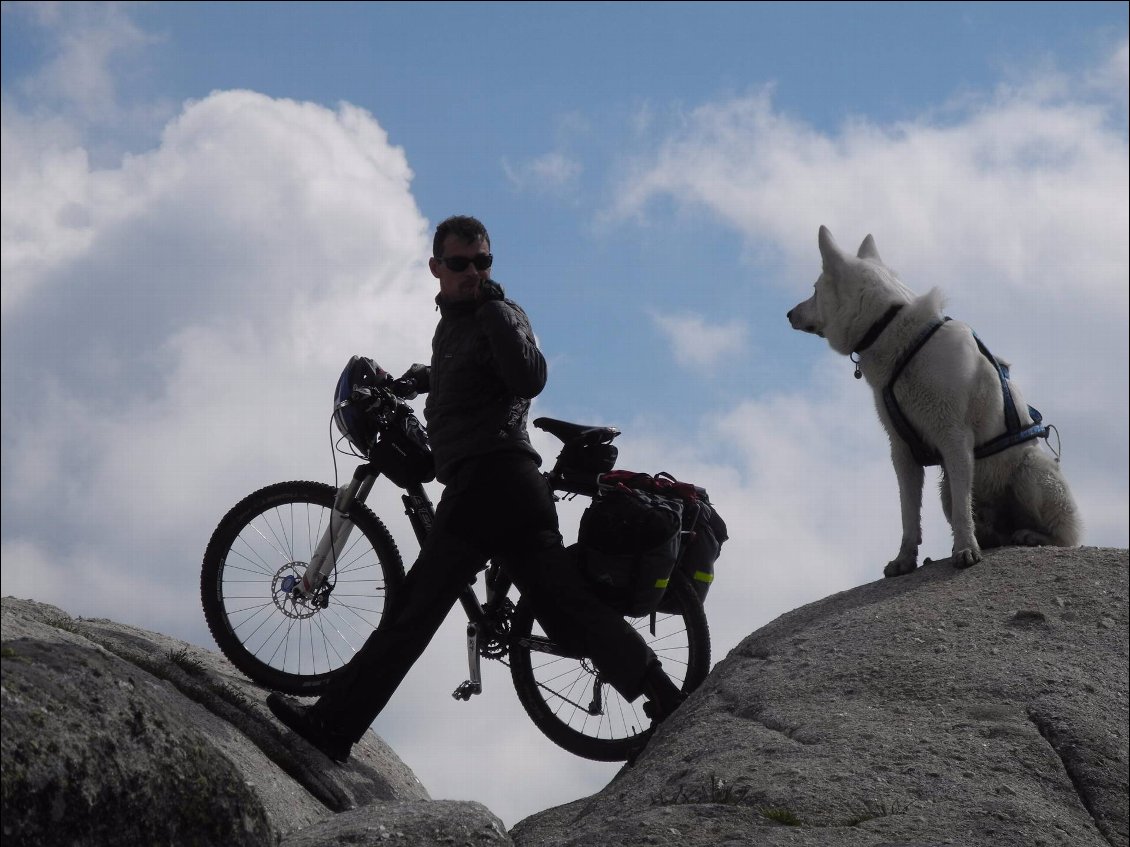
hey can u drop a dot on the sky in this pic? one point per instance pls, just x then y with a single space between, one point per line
207 208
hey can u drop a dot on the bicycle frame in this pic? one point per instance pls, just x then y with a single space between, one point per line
482 618
297 575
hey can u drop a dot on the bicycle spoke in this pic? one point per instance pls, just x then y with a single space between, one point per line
576 707
292 635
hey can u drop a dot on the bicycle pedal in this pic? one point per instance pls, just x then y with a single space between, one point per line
466 689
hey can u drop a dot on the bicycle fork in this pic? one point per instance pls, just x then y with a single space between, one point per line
336 536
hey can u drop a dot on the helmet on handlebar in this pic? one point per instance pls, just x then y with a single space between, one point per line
387 434
359 427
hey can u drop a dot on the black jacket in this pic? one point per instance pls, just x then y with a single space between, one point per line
486 367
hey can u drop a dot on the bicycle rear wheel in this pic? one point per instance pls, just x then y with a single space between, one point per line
568 700
278 638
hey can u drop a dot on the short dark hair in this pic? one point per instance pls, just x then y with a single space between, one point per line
461 226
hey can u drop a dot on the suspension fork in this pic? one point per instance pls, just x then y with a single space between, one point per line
336 536
421 513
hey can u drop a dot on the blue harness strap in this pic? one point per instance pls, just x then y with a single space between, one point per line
1014 434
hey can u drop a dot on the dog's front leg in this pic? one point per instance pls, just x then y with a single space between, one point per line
910 479
957 460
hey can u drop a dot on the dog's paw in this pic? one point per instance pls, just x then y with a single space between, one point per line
966 558
901 565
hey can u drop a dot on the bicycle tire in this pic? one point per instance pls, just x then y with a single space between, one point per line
559 692
295 648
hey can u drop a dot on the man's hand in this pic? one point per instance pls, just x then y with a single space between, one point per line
416 381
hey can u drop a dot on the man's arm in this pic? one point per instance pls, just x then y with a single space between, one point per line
520 362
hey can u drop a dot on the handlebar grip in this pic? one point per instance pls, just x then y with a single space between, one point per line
405 388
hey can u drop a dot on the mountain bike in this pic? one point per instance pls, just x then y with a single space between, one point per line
298 574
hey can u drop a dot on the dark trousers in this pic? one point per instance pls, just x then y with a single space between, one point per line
494 505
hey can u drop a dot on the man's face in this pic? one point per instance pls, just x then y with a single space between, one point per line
464 284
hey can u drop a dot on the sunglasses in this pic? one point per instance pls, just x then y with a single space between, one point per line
460 263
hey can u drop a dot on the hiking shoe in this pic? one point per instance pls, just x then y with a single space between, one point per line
663 695
313 729
662 702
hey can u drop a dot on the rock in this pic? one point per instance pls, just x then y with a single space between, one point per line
973 707
985 707
436 823
117 736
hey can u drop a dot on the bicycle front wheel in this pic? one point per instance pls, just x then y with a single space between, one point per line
278 637
569 701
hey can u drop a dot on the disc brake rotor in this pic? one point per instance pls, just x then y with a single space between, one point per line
291 600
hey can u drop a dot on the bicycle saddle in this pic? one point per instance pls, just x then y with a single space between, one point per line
580 434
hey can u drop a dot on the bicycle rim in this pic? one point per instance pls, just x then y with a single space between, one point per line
271 633
569 701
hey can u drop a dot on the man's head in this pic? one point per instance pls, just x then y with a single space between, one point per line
461 257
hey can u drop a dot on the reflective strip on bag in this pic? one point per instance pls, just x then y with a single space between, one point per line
702 576
661 583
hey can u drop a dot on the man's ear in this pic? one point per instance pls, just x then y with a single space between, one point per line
433 266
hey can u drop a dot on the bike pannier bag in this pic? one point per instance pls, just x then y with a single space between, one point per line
704 531
629 544
702 543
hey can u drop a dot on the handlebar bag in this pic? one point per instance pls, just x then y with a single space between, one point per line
629 543
403 453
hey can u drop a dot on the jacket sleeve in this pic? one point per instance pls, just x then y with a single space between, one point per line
516 355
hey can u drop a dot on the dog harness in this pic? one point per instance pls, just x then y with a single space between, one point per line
1014 434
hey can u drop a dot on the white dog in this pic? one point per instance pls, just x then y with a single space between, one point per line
943 399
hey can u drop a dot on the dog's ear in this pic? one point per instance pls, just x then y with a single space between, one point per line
868 250
830 252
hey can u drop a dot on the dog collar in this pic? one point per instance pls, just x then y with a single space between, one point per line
877 328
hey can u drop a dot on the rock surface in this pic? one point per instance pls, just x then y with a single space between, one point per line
117 736
984 708
973 707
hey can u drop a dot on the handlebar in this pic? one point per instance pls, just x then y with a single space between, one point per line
402 389
405 388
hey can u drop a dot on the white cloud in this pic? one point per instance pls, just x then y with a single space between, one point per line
1010 183
79 73
1112 79
556 172
1015 206
696 344
173 327
550 173
86 46
173 321
45 174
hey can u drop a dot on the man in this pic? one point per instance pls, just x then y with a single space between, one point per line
486 367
